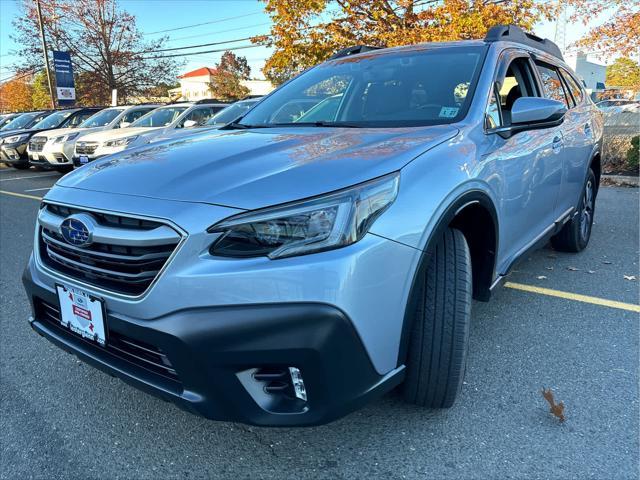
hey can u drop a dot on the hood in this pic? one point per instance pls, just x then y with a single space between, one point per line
256 168
21 131
57 132
180 133
117 133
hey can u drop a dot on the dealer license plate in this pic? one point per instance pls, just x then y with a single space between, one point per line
82 313
84 159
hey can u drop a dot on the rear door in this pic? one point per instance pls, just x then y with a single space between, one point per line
579 142
573 135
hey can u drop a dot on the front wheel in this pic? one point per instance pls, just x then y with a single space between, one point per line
575 235
439 335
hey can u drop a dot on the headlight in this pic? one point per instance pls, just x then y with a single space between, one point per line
323 223
121 142
16 138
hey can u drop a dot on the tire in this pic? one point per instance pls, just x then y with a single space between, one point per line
575 235
439 338
20 166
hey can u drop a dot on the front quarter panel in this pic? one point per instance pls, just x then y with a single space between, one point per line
434 182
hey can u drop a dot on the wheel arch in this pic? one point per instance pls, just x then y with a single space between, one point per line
470 213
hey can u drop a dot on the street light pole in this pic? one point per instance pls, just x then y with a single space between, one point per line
46 54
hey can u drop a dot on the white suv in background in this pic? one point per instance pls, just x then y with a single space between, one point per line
157 123
58 145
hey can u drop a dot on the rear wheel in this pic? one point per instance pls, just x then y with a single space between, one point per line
575 235
439 335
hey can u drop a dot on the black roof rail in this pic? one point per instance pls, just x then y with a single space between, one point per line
209 100
513 33
345 52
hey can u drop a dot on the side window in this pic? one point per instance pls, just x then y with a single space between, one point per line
493 117
78 119
517 82
131 117
573 86
551 83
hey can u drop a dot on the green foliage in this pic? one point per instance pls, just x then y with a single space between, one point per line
625 73
40 97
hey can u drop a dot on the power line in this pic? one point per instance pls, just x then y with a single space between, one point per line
204 23
241 47
18 76
219 31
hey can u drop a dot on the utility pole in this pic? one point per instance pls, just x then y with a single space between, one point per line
46 54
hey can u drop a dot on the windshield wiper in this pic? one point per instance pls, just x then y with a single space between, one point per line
320 123
240 126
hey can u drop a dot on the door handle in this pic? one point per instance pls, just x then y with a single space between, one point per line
557 144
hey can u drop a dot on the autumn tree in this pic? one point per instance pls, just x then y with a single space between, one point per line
40 96
305 32
16 95
618 34
624 73
226 82
107 49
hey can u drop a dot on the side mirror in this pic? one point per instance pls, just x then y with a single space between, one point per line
190 123
537 112
124 124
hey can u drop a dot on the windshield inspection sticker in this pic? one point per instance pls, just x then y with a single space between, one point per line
448 112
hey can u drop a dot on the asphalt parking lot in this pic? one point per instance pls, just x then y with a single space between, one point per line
60 418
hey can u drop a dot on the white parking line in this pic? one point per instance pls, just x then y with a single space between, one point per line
30 176
37 189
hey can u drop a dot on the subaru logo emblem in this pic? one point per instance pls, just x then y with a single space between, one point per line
76 231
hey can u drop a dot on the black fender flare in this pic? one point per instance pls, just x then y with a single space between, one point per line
463 201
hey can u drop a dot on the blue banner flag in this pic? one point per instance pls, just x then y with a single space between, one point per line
65 87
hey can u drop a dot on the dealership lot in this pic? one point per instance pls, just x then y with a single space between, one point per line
63 419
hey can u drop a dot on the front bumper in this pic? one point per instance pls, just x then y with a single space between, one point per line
215 350
14 153
49 157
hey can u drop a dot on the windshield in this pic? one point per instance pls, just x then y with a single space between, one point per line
160 117
20 121
100 119
54 120
231 113
403 88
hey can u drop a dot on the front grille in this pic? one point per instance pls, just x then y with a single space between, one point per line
37 144
126 348
86 148
120 264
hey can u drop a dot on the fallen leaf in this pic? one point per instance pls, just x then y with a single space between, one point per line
551 255
557 409
591 271
541 277
630 277
573 269
549 268
607 262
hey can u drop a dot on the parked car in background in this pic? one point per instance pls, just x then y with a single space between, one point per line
13 149
23 121
615 105
55 148
224 116
177 116
6 118
285 272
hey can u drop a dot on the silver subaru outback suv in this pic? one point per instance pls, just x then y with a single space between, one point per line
324 248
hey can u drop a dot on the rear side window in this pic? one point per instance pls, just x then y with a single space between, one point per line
551 83
132 116
573 86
